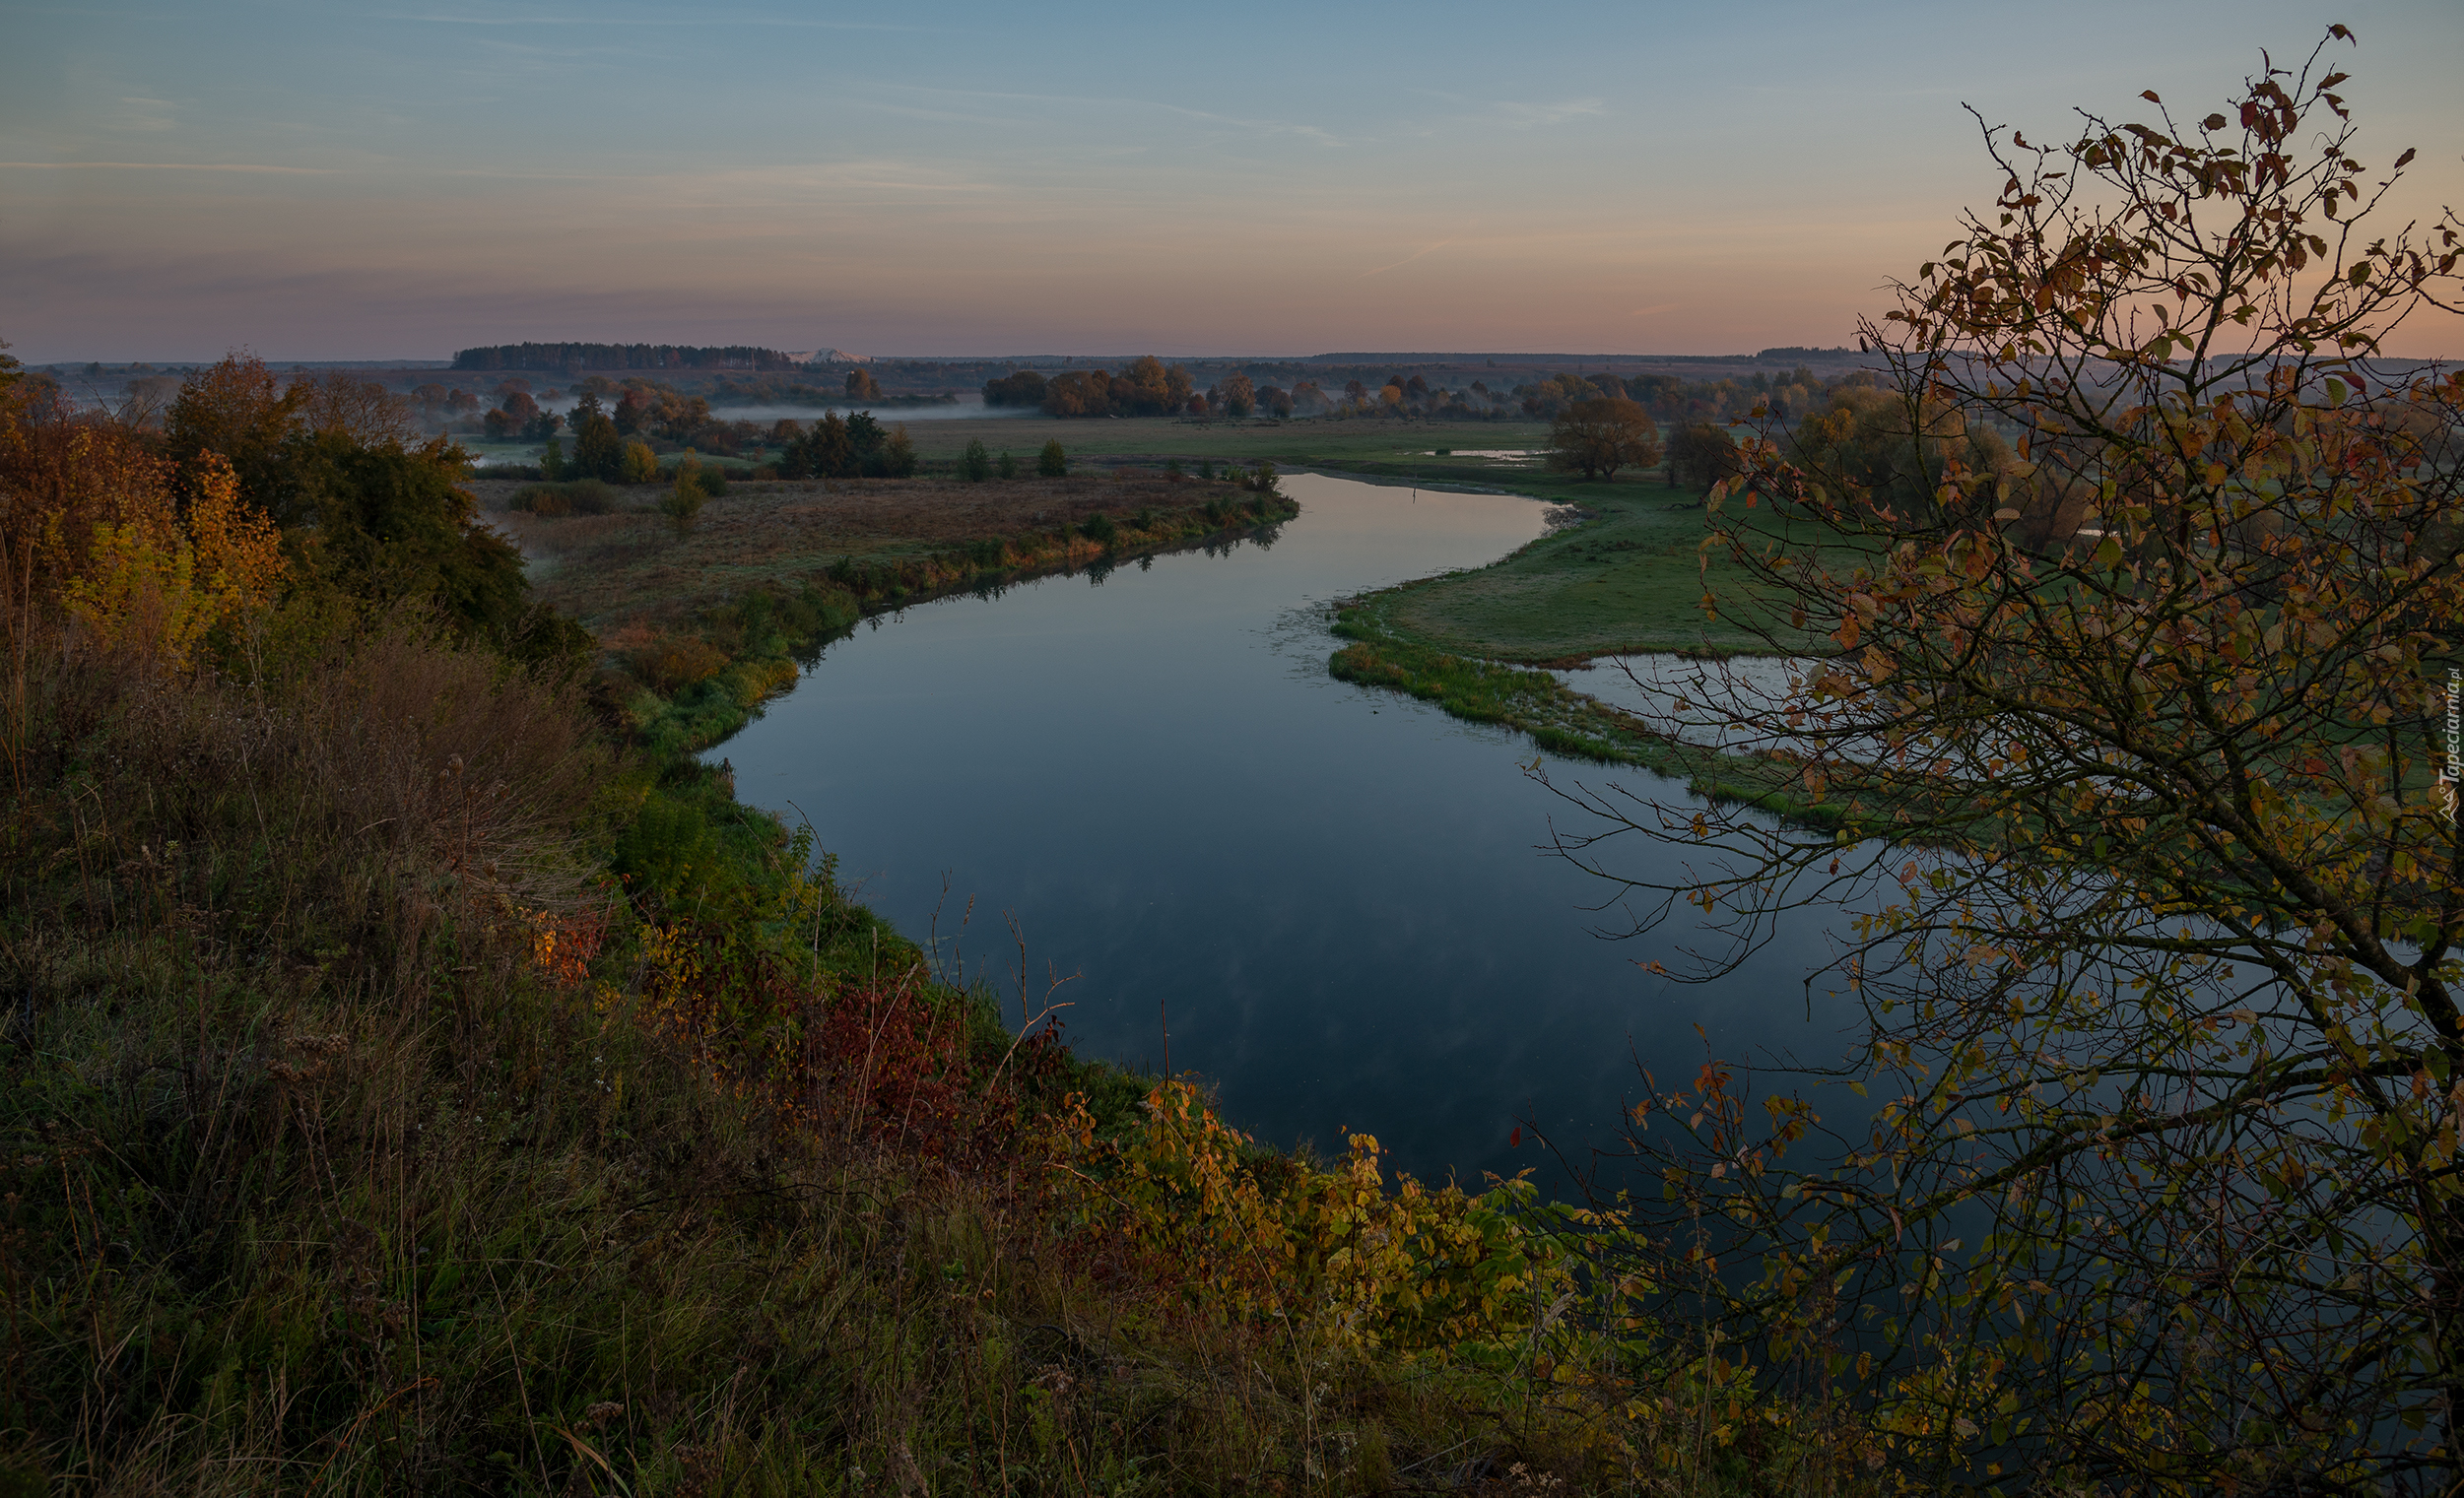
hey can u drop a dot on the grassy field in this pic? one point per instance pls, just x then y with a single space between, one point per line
1627 576
629 568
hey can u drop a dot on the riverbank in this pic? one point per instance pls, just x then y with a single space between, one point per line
698 628
1627 576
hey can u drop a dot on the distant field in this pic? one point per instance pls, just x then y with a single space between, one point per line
629 569
1626 577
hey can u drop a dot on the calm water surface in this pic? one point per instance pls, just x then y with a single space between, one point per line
1339 897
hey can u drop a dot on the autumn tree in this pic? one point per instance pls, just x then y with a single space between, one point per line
598 448
683 501
1702 454
239 410
633 414
2126 764
897 454
1079 393
163 576
1022 387
1601 437
339 403
861 386
1149 387
831 447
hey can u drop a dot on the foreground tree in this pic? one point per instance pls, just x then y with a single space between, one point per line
2146 739
1601 437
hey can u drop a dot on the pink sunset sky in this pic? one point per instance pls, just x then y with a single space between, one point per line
321 181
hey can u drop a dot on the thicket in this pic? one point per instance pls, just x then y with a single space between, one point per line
1145 386
852 446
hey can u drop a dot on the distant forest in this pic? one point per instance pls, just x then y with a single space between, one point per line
1149 387
569 356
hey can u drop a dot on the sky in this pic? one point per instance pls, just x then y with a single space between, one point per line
331 180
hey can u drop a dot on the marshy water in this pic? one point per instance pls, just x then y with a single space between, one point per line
1339 898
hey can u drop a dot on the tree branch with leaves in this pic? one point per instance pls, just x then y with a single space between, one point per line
2153 1180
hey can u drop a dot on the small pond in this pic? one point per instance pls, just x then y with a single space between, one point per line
1340 899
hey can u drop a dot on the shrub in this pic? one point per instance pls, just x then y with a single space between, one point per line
1052 462
581 496
639 464
669 855
591 497
976 464
675 662
1007 468
683 502
1101 530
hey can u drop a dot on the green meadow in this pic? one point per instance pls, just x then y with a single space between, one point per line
1627 573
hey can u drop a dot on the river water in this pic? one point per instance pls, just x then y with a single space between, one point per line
1338 898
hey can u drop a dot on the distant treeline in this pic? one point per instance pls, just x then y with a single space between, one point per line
564 356
1149 387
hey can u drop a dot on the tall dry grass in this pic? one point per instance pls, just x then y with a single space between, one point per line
360 1133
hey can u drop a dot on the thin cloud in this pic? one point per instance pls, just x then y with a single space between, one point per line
302 172
1406 260
1098 102
147 114
697 21
1522 116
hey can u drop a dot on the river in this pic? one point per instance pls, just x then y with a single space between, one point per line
1338 898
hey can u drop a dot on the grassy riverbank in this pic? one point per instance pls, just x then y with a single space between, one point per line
698 628
1626 574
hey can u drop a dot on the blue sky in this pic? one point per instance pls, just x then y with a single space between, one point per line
345 182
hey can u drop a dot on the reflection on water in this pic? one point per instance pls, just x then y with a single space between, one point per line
1336 896
1736 703
1493 454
